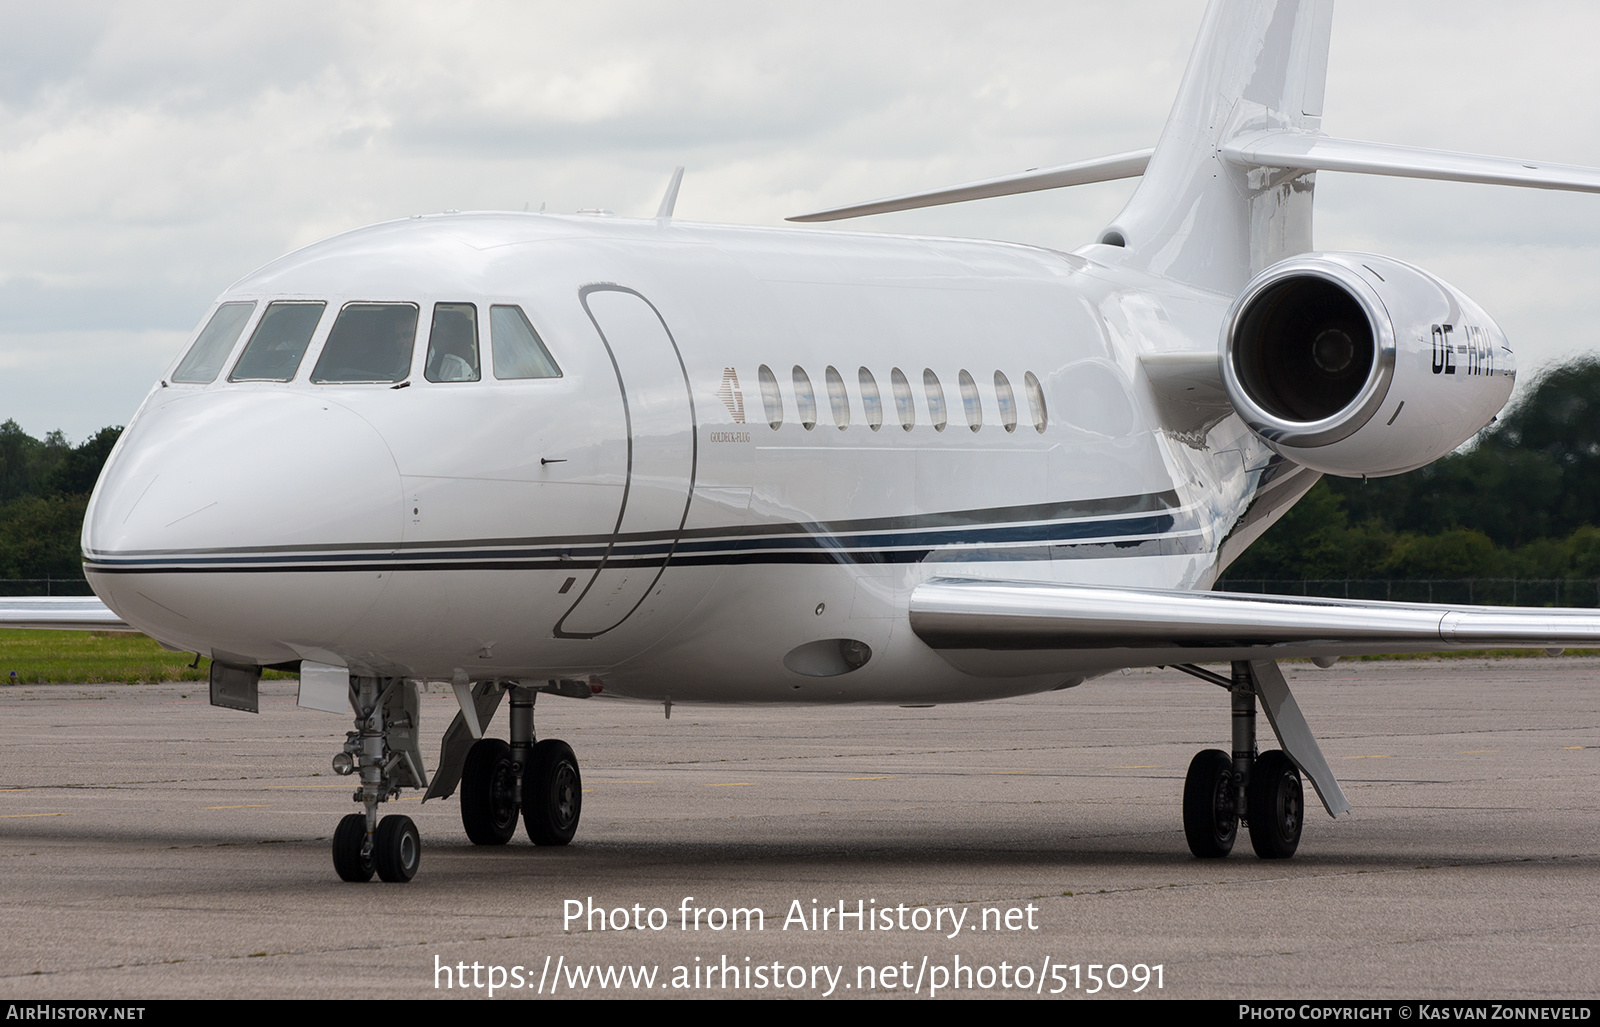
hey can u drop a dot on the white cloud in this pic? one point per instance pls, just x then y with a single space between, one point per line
79 382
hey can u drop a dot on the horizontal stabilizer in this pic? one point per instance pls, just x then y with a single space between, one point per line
1145 627
1313 152
66 613
1100 169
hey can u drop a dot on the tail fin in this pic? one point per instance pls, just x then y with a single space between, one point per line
1258 65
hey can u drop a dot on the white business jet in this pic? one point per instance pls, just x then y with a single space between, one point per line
596 456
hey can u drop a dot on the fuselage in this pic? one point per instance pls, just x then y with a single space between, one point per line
748 446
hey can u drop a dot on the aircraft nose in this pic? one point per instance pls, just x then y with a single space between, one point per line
208 493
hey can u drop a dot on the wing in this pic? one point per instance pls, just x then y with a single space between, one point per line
1010 627
67 613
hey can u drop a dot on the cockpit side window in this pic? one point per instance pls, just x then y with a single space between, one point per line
453 344
518 351
279 341
371 342
204 359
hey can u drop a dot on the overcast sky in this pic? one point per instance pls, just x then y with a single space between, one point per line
151 154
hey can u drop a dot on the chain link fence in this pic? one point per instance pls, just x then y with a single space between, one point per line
1581 592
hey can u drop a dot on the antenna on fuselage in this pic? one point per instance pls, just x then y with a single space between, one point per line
670 200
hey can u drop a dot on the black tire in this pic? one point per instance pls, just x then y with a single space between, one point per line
552 794
1277 803
348 838
488 793
397 851
1210 821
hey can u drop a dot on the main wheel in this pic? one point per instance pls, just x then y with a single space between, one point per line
552 793
1210 822
397 851
348 839
1277 804
488 793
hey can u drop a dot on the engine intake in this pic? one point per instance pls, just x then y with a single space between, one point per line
1315 347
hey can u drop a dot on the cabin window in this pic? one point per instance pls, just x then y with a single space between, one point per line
904 406
838 398
804 398
935 391
771 397
518 350
869 399
453 344
279 341
1035 402
370 342
971 402
1008 402
202 363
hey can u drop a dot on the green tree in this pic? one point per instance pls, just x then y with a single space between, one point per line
79 468
44 490
1533 474
39 537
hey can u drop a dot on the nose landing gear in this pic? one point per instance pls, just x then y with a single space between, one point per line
383 750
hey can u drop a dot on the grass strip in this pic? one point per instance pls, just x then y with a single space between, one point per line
94 658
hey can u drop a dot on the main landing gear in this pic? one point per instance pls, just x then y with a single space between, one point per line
1262 792
383 750
538 779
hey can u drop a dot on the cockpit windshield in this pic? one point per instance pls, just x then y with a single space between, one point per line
204 359
279 341
368 343
371 342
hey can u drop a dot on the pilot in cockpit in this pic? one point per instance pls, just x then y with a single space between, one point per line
453 344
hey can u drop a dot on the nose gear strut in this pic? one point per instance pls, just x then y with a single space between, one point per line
383 750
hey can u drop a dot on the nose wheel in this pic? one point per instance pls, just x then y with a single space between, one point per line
383 751
397 850
394 852
352 854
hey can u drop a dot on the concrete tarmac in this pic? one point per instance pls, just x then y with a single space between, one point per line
152 846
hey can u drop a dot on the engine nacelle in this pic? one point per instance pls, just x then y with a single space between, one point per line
1355 364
